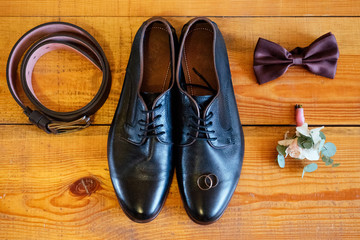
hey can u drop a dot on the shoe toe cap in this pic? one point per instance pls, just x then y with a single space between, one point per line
206 207
203 214
140 200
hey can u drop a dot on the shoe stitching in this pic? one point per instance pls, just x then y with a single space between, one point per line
186 62
187 70
205 29
167 73
161 28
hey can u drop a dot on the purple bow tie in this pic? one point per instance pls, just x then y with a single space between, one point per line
272 60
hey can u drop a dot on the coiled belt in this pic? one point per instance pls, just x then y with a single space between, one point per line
35 43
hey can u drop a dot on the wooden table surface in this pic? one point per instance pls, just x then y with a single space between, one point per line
41 175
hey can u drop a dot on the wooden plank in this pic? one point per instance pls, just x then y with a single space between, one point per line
180 8
65 81
29 8
36 201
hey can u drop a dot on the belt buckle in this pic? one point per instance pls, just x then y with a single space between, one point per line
58 127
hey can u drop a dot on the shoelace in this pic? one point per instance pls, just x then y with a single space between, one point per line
207 87
200 125
149 129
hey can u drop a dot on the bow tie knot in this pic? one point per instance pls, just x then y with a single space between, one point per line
297 60
272 60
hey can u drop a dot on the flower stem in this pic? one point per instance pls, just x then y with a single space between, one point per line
299 112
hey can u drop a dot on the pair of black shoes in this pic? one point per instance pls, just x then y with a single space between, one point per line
177 109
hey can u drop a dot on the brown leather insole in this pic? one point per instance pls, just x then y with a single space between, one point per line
198 60
157 59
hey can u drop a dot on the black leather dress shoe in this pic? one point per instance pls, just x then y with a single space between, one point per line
210 148
140 138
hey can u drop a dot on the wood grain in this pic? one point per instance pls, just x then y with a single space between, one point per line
180 8
37 171
58 187
65 81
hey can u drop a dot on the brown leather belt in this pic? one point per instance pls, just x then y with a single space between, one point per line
35 43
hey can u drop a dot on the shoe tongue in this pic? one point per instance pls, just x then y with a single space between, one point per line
149 98
203 101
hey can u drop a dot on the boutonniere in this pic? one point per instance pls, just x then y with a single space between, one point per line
306 144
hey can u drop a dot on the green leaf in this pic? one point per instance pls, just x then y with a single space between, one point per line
322 136
308 144
281 160
321 144
281 149
335 164
329 149
309 168
305 142
329 162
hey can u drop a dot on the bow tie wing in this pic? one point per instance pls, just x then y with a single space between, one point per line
321 56
270 61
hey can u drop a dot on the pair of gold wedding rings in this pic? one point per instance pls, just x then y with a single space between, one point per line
207 181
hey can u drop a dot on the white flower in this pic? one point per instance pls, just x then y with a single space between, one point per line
311 154
313 133
294 151
304 130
